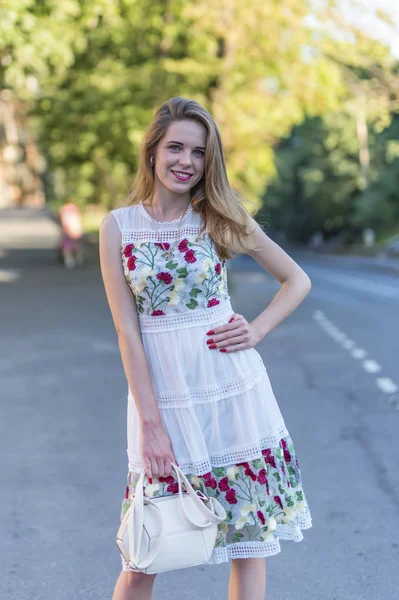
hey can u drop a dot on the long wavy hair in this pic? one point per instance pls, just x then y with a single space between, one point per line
225 218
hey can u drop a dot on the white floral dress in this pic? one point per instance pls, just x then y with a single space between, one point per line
226 428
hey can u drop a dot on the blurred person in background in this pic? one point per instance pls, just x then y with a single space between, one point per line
71 243
198 391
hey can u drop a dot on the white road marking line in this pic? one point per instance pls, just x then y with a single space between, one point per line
386 385
371 366
348 344
9 275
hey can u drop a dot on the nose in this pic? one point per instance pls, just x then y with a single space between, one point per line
185 159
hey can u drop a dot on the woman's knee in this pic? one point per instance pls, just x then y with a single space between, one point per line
135 580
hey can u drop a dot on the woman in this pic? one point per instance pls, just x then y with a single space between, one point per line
199 394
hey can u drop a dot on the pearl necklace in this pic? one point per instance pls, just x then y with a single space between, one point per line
170 253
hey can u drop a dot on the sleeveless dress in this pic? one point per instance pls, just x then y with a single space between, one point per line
227 431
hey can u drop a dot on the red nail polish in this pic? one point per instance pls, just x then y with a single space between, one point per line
210 332
232 319
209 341
222 350
212 346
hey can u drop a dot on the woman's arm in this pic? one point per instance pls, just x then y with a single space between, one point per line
238 334
295 283
156 446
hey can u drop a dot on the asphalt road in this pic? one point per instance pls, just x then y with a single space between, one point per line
333 365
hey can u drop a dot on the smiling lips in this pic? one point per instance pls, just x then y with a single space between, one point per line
182 176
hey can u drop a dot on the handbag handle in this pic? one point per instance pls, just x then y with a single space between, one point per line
216 514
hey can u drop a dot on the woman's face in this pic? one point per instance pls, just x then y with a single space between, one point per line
180 156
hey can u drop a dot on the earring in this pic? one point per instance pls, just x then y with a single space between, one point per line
152 161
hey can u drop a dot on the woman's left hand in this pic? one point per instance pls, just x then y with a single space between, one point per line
236 335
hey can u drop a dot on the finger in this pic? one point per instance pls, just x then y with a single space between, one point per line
223 328
238 340
148 470
155 467
228 336
167 467
161 467
233 348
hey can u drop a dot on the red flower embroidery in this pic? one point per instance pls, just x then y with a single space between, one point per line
210 481
127 493
131 263
283 443
218 268
183 246
173 488
262 476
289 484
231 496
128 250
250 474
278 500
269 458
283 469
287 456
169 479
165 277
224 484
164 246
213 302
261 517
189 256
244 464
157 313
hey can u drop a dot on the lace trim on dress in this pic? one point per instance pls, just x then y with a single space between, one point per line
256 549
189 318
164 235
234 456
213 393
262 549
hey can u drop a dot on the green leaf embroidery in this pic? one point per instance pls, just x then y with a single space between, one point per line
278 453
293 482
237 536
269 510
219 471
289 500
182 272
257 463
229 515
261 502
291 470
141 309
299 495
171 265
194 292
277 476
140 299
192 304
281 489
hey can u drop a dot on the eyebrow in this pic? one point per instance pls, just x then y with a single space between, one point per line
181 144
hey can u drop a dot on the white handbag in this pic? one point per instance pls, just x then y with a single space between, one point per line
169 532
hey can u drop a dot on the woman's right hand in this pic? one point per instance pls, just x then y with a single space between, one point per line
156 450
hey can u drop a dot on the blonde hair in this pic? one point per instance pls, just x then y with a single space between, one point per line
221 208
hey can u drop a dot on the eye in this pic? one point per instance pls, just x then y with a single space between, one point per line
202 153
174 146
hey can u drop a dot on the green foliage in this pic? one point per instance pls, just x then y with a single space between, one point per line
92 74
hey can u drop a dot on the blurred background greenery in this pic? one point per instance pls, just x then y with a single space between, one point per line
306 94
